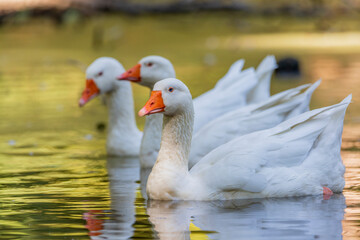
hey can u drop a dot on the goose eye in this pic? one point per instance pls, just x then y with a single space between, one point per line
171 89
100 74
149 64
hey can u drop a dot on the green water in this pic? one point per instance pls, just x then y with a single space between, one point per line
55 179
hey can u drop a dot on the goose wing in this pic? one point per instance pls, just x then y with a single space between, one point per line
249 119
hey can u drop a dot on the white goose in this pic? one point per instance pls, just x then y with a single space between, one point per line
237 88
300 156
216 102
101 78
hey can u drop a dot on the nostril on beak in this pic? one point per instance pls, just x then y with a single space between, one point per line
152 103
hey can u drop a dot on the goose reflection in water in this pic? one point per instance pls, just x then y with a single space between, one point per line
118 223
309 217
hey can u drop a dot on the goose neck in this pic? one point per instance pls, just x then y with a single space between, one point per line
121 108
176 139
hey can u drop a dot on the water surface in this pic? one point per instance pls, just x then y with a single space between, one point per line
55 179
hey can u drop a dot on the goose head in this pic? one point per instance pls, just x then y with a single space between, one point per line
169 96
101 78
149 71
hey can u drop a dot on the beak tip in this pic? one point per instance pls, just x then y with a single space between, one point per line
142 112
81 102
120 77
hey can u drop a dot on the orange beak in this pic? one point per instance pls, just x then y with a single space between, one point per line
154 105
90 91
133 74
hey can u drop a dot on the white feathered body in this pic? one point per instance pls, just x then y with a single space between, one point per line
298 157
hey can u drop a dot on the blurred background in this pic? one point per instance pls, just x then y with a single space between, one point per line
48 144
45 45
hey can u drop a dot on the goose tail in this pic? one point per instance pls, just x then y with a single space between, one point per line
231 75
305 99
264 72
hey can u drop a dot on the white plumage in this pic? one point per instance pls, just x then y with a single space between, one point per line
249 119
